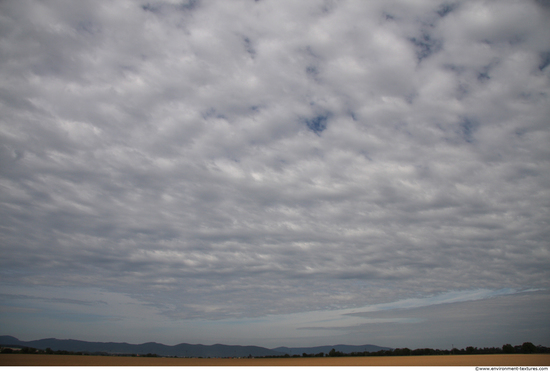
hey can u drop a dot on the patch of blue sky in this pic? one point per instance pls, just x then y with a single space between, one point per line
426 46
467 128
544 60
317 124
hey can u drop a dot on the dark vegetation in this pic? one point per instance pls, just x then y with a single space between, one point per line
32 350
525 348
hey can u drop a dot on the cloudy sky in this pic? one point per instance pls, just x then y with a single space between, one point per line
277 173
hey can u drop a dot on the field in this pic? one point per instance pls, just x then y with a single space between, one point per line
434 360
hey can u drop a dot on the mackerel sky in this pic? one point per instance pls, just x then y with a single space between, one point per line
277 173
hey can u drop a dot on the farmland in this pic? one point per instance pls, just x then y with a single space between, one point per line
431 360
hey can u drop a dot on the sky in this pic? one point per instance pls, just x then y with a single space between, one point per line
276 173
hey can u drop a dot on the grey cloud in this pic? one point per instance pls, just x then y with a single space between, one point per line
76 302
472 323
479 323
445 9
5 297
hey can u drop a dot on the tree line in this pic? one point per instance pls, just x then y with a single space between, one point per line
525 348
32 350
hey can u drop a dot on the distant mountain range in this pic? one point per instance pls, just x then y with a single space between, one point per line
180 350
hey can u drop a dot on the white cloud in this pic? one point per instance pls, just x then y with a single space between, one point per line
249 159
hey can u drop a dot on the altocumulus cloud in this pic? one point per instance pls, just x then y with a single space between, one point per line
201 164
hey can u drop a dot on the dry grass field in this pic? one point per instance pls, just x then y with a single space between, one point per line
435 360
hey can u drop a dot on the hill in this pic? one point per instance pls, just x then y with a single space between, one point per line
346 349
180 350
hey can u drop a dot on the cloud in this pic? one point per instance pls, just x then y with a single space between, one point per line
230 161
481 322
